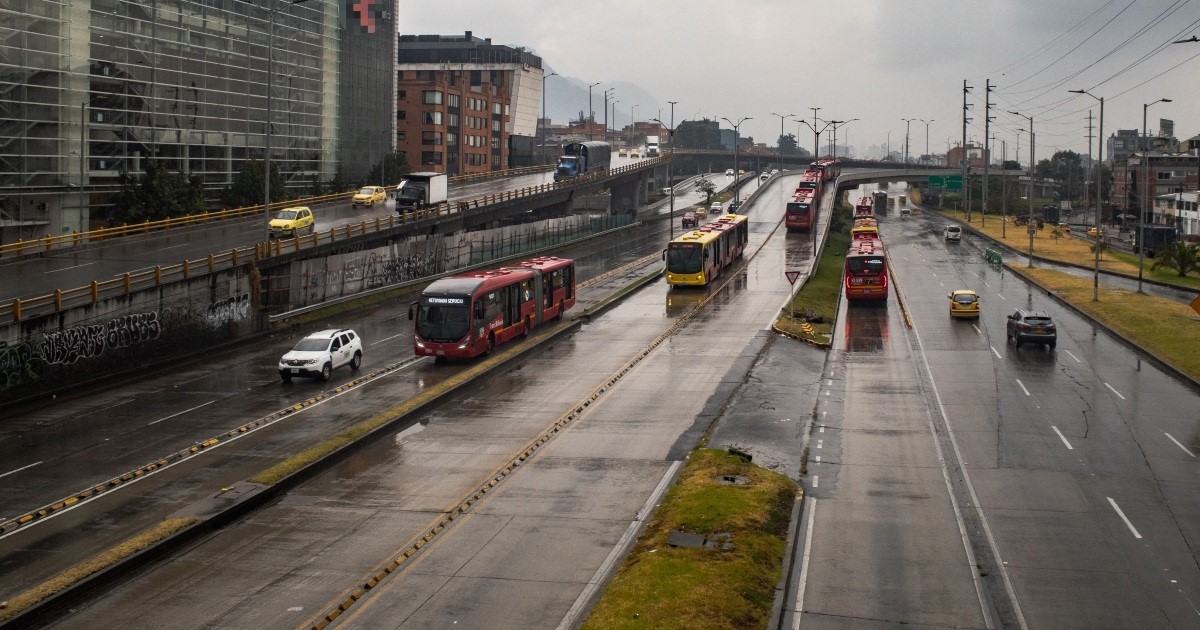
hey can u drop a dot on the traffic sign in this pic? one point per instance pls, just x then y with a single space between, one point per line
949 182
792 274
937 181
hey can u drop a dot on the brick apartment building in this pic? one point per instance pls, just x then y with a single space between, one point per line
975 156
1163 173
465 105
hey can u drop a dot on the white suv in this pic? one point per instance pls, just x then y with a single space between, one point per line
319 354
953 233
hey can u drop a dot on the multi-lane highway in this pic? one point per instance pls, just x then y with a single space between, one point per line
953 480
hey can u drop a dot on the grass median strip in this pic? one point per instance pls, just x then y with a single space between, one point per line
92 566
819 295
1169 330
743 511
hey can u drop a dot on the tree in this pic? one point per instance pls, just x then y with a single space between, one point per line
708 188
247 186
1010 165
1066 167
395 166
788 144
155 194
1180 256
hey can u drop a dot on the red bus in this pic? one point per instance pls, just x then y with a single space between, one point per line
469 314
831 167
801 212
814 179
864 209
864 228
866 276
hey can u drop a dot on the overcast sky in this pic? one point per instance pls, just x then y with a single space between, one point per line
875 60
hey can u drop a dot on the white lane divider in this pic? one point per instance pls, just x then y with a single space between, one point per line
1062 437
17 470
811 508
820 443
1123 517
1023 387
1073 356
996 353
1114 390
1169 436
182 412
375 343
72 267
977 331
1001 297
816 481
986 284
942 284
818 460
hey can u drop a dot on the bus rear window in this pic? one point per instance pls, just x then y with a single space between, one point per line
797 207
865 265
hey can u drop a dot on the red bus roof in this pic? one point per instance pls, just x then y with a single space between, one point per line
865 247
547 264
803 195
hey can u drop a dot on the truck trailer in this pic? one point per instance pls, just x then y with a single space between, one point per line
580 158
418 190
652 149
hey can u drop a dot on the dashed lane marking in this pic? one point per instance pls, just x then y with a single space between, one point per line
1114 390
1169 436
996 353
1062 437
1023 387
17 470
1123 517
808 536
1073 356
1001 297
181 412
73 267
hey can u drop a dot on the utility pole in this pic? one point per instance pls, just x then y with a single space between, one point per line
591 113
606 112
987 118
816 134
1003 189
965 161
1091 164
907 122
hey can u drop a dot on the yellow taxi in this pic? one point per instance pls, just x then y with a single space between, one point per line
964 303
291 222
369 196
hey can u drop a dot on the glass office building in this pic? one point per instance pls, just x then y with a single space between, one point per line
89 88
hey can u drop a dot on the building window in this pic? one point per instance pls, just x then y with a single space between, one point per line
495 108
431 138
495 125
430 97
452 100
431 157
452 120
451 139
476 78
401 136
433 118
401 115
401 94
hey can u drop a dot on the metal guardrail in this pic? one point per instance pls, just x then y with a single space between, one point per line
61 241
20 308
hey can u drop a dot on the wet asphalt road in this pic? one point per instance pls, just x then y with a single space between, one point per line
1073 471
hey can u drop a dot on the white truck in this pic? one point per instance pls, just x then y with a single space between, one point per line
418 190
652 146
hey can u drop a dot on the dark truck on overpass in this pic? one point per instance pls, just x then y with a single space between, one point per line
579 158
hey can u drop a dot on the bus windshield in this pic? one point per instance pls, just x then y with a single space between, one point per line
865 265
685 258
441 324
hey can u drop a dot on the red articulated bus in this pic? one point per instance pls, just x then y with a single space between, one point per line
468 314
831 167
814 179
866 276
801 212
864 209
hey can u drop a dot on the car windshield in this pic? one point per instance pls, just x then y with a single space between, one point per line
287 215
440 323
367 191
685 258
966 298
311 345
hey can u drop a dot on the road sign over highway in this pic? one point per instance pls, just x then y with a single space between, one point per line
949 182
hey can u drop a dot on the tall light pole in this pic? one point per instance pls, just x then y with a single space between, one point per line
1099 195
543 134
606 112
632 122
591 112
736 141
670 182
816 134
836 124
781 119
907 122
926 135
1030 227
270 111
1145 191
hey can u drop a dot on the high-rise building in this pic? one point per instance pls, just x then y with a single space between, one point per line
91 88
464 104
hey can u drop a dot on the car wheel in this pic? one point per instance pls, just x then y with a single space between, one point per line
326 371
1052 344
286 376
356 362
1018 341
312 228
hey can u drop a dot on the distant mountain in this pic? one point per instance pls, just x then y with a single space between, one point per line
567 96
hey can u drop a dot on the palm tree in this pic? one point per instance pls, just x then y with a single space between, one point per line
1180 256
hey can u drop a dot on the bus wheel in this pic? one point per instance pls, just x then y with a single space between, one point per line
491 344
561 309
528 325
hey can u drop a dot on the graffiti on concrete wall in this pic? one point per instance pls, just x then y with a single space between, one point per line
93 340
19 364
229 310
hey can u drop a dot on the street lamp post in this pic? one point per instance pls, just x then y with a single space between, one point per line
907 122
1099 197
736 141
591 112
781 119
1030 227
1141 243
836 124
926 134
632 123
543 125
816 134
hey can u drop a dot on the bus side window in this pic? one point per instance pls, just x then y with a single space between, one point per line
479 310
